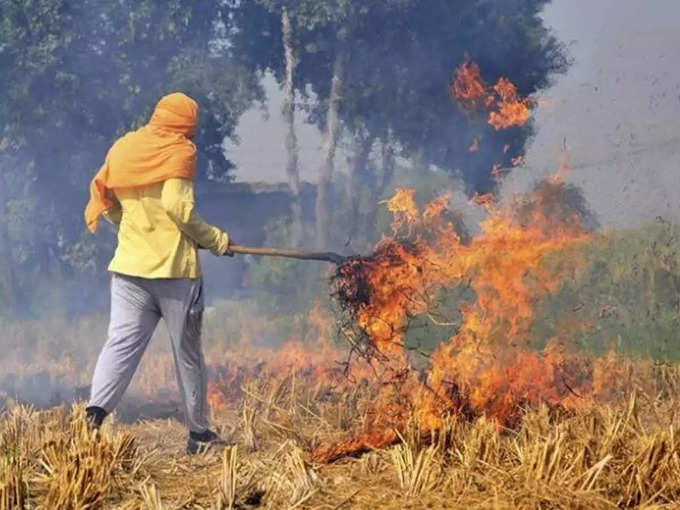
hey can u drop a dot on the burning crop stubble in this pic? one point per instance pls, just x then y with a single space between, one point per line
491 419
487 367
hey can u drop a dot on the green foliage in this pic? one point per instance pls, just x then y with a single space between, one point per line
83 73
625 295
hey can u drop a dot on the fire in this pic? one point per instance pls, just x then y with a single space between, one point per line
468 85
315 363
488 367
313 358
499 258
510 109
402 205
505 106
502 102
486 200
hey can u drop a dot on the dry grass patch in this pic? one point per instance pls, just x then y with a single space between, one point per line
624 454
53 459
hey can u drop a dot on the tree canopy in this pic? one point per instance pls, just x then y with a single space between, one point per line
81 74
371 75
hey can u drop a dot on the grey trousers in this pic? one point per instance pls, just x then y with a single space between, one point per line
137 304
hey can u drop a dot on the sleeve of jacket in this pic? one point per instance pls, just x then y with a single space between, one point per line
178 201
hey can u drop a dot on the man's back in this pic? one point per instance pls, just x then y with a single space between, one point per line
146 187
160 231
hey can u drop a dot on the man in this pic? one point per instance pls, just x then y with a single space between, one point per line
146 187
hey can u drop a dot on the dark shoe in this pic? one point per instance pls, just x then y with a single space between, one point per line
95 416
201 441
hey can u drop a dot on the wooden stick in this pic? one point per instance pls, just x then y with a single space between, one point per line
331 257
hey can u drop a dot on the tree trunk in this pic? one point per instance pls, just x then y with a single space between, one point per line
8 284
291 144
358 178
421 162
330 142
388 164
387 156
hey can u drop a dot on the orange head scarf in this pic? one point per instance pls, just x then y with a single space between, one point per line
158 151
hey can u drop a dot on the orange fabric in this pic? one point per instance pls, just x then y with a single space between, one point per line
156 152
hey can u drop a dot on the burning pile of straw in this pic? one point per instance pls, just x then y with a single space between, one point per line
488 367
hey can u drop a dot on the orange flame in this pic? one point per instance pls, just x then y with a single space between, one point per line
468 85
487 367
506 108
486 200
510 109
403 206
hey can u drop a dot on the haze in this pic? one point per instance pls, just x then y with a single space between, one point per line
617 109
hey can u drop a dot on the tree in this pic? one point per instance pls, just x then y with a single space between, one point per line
82 74
338 32
506 39
304 36
375 74
288 111
330 141
401 55
33 40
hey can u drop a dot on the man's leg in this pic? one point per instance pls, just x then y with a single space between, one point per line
181 303
134 316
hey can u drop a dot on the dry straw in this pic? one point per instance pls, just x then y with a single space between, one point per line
621 454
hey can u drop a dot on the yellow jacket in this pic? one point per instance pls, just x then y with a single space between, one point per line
159 231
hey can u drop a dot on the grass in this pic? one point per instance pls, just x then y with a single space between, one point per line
619 450
624 453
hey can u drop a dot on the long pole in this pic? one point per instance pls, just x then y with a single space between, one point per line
331 257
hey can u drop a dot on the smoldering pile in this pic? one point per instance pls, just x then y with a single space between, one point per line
353 288
351 284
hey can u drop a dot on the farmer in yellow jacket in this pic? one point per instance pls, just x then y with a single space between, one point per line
146 187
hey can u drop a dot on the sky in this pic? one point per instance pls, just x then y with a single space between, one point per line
617 108
617 111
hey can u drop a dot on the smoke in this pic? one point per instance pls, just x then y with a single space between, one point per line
616 109
105 80
89 74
